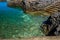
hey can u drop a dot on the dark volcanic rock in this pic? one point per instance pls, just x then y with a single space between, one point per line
52 25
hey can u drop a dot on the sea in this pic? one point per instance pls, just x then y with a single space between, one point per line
15 23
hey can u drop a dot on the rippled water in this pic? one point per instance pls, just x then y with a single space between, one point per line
14 23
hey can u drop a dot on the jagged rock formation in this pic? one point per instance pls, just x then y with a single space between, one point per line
52 25
37 5
34 6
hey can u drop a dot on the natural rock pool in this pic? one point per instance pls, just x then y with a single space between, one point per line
14 23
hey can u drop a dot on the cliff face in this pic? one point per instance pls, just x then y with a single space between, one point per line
32 6
36 5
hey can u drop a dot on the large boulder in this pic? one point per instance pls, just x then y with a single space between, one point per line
52 25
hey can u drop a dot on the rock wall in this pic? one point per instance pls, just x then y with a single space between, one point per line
33 5
36 5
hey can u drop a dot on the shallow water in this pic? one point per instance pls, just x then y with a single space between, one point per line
14 23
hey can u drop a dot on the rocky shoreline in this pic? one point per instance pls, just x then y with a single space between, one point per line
30 6
36 7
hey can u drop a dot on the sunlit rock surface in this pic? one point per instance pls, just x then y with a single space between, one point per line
32 6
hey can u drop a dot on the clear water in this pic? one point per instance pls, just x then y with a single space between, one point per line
14 23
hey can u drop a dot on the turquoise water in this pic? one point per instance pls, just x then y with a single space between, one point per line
14 23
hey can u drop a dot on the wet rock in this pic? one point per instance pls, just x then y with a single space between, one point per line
52 25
